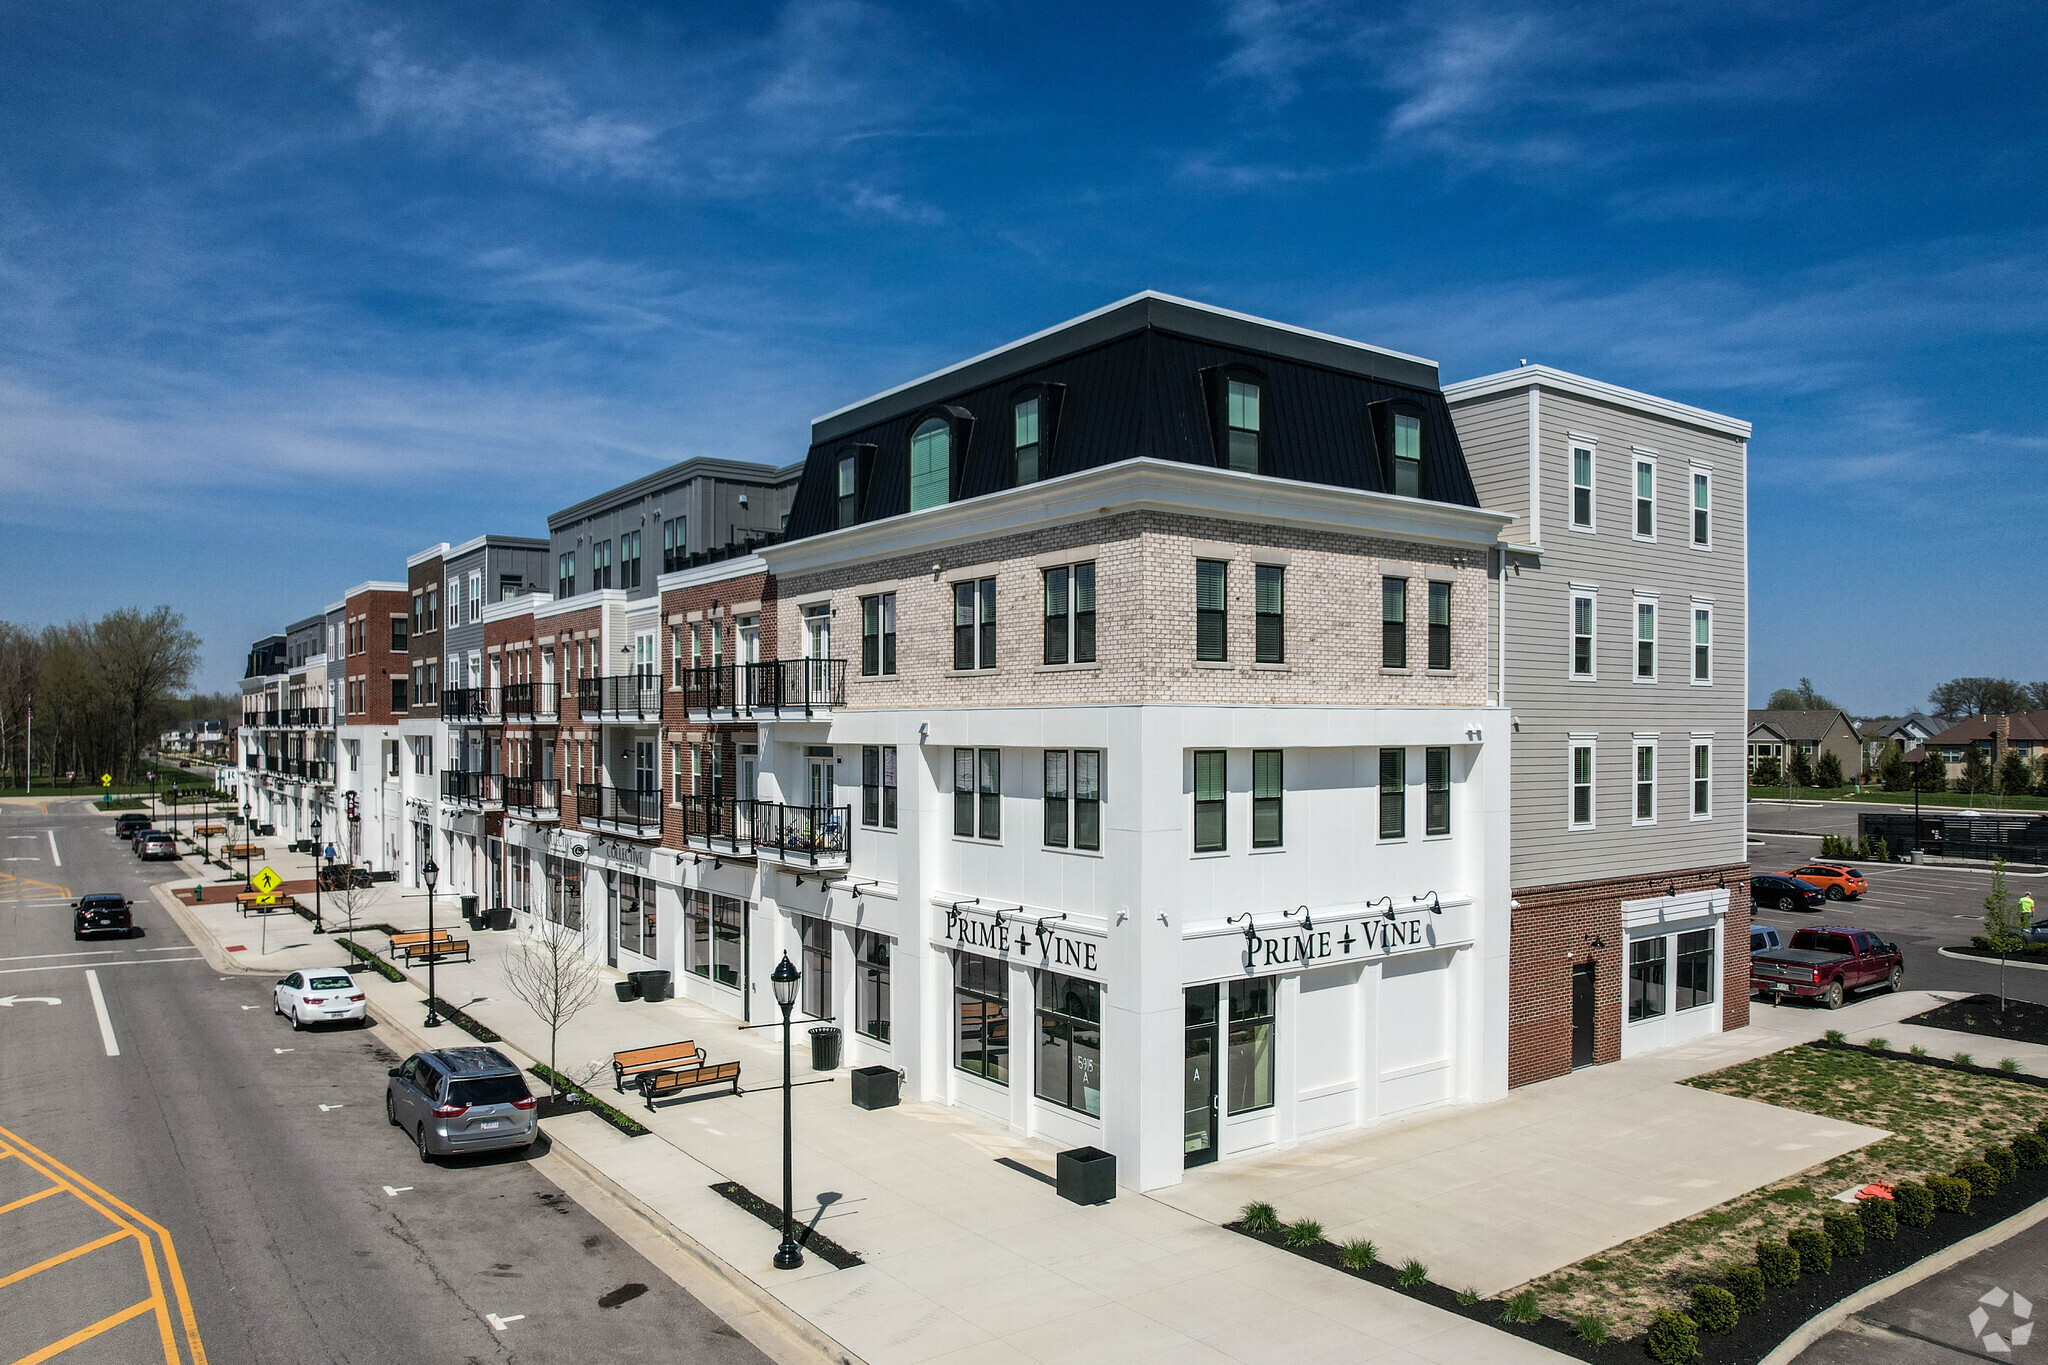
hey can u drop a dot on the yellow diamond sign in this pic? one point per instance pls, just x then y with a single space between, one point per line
266 881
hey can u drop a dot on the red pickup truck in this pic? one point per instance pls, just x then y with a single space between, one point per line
1827 963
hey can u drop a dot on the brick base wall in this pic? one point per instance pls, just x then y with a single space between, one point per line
1553 931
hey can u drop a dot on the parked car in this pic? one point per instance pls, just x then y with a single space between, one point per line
128 822
461 1099
1775 892
1826 964
1838 880
1763 938
324 995
153 845
102 914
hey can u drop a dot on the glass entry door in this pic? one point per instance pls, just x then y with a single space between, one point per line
821 782
1198 1124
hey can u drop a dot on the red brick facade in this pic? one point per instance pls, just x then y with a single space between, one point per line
713 611
369 662
1554 929
577 638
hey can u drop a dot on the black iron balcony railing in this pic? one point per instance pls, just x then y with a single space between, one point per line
272 763
530 700
799 686
303 716
270 719
719 824
630 808
469 703
472 789
709 689
816 835
533 795
633 696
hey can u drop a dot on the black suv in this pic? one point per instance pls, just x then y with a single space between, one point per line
102 914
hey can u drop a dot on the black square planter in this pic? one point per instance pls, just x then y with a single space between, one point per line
1087 1175
874 1087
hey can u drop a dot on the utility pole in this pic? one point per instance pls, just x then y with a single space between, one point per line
28 766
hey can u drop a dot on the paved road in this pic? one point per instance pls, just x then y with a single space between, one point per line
1919 908
1930 1324
203 1151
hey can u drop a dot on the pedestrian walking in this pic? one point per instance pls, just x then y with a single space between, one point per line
2026 911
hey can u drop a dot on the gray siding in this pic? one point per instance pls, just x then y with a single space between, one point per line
524 559
1548 705
705 492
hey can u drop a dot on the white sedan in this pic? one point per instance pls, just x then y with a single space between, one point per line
325 995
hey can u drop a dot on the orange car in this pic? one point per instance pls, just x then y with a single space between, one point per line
1840 882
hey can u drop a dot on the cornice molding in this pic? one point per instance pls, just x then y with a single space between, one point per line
1578 385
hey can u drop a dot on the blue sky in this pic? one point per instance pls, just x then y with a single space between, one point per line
287 292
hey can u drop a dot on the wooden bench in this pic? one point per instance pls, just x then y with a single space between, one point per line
434 952
658 1084
635 1061
209 829
243 850
251 902
406 939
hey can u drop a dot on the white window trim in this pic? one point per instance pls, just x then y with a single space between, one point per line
1572 744
1637 459
1694 471
1692 643
1699 742
1635 782
1571 627
1573 444
1635 639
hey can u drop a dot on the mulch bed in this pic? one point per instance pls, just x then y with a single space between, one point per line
1757 1334
807 1237
2021 1021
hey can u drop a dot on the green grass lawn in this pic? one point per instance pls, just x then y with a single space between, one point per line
1980 801
1936 1119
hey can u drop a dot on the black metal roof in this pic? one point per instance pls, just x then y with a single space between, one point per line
1143 379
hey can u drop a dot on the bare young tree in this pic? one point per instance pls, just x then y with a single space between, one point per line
143 658
552 975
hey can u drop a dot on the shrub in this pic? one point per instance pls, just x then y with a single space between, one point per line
1590 1328
1835 1035
1980 1176
1917 1050
1950 1192
1964 1059
1844 1232
2009 1065
1674 1337
1713 1308
2030 1150
1411 1274
1358 1254
2041 1129
1915 1203
1303 1232
1816 1252
1521 1308
1877 1044
1746 1283
1880 1218
1777 1263
1260 1217
1467 1296
2002 1160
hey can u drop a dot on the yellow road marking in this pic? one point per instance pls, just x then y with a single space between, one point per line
107 1323
61 1257
19 880
30 1198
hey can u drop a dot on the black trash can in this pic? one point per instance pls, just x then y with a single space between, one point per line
1087 1175
469 907
500 916
653 986
874 1087
824 1047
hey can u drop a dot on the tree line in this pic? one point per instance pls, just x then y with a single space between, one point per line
101 691
1953 700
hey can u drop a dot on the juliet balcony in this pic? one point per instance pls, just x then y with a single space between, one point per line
531 703
620 699
476 790
471 705
800 836
533 798
719 824
631 811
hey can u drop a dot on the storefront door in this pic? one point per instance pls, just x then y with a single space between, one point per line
1199 1122
611 920
1583 998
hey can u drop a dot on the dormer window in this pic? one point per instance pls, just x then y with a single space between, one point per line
931 464
849 489
1025 426
1406 471
1241 418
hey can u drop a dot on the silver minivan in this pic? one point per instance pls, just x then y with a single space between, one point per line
461 1099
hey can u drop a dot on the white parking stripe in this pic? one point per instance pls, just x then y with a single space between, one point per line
125 962
83 952
99 1005
54 856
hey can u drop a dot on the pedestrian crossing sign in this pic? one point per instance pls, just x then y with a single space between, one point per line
266 881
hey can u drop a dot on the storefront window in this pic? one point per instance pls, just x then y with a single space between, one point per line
565 893
727 913
1695 969
1646 978
817 988
1069 1042
981 1022
632 905
697 914
1251 1044
871 993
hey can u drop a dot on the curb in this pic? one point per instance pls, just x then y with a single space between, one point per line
209 947
1822 1323
1954 956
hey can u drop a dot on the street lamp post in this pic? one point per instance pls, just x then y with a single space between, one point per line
433 874
247 811
319 925
789 1255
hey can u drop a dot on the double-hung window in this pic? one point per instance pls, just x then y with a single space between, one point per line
454 602
1582 635
1646 782
1702 779
1070 614
1581 760
1702 644
1646 497
1393 793
1073 798
849 489
1267 787
878 635
1242 420
1270 605
601 565
1024 435
1702 508
629 560
1393 623
674 544
1439 625
1212 631
1068 1070
878 785
1646 641
978 793
565 574
1211 766
974 624
931 464
434 607
476 596
1436 815
1582 486
1407 463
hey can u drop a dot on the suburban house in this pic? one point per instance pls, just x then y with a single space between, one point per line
2025 734
1775 734
1880 733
